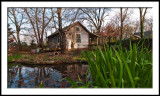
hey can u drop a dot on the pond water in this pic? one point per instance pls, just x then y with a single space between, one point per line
30 76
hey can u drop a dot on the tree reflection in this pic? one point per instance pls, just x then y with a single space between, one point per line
51 75
12 71
41 73
36 79
21 81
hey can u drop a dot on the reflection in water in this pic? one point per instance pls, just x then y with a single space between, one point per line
30 76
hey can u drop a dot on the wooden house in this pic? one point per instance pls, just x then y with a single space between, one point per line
77 36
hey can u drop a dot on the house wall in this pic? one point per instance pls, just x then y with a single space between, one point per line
72 34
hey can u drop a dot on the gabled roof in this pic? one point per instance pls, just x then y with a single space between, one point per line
70 26
147 34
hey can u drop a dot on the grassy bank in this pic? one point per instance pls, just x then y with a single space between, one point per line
14 57
44 58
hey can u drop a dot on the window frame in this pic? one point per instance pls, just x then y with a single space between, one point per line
58 39
77 28
79 37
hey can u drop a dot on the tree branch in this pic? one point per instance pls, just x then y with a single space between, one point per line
144 13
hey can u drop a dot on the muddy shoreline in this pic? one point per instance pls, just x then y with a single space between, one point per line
50 62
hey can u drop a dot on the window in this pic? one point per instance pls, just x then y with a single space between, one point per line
78 38
77 29
58 39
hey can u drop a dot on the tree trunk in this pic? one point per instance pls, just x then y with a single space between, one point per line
99 29
19 42
42 34
62 43
61 33
121 24
141 23
40 44
17 29
32 23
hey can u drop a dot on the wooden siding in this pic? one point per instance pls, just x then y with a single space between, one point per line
84 37
53 42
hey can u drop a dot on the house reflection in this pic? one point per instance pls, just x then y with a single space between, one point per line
72 71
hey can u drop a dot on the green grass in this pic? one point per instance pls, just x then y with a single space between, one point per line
29 57
47 58
14 57
59 58
78 58
111 68
10 58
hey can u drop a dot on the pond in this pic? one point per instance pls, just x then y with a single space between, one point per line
30 76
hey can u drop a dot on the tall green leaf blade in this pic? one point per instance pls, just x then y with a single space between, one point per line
72 82
111 74
121 69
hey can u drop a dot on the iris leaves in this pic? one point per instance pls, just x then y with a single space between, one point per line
119 68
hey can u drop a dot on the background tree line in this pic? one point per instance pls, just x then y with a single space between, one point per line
37 22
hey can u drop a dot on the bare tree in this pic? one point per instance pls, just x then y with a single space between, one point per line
39 20
70 15
95 16
129 30
136 26
142 19
123 17
10 33
61 32
121 22
16 16
148 24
